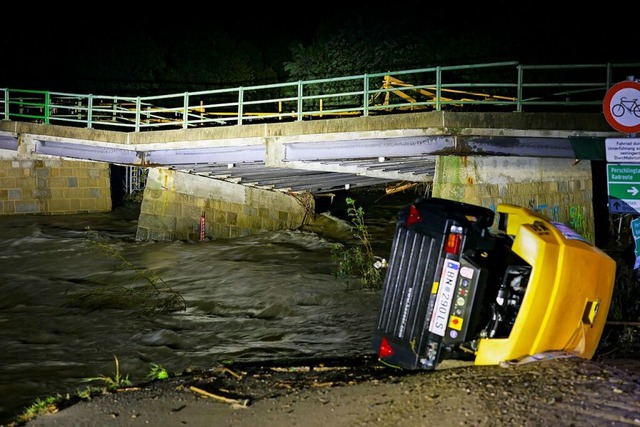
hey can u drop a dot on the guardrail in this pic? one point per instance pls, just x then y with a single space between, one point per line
502 86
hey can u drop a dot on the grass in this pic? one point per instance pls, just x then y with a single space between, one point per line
110 383
157 372
39 407
114 382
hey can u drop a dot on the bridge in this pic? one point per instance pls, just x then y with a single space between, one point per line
328 135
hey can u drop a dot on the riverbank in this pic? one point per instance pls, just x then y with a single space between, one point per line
360 392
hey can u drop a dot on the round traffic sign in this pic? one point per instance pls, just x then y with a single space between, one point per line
621 106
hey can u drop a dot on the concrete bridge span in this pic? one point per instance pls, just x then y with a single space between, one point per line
266 176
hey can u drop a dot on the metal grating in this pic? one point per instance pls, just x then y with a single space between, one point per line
412 270
315 181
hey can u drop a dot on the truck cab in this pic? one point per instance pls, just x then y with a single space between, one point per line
465 282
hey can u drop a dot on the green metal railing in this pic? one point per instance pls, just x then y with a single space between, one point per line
502 86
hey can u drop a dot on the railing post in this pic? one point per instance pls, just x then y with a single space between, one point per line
519 89
240 105
300 88
185 111
365 103
47 103
114 109
6 104
438 88
90 112
138 118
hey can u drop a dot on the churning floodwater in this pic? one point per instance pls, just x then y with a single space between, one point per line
266 297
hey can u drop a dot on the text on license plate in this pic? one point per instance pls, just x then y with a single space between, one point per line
445 296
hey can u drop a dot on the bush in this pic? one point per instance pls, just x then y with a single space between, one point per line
360 260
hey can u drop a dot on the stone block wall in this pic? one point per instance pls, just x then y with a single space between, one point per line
561 189
54 187
174 203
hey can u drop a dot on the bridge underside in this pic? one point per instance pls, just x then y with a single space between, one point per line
318 182
318 164
243 174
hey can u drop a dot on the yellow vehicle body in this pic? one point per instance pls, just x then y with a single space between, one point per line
568 295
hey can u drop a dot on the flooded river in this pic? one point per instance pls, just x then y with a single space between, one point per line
263 297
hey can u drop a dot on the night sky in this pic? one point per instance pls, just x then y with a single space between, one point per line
39 41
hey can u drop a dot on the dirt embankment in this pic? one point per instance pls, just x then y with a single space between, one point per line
560 391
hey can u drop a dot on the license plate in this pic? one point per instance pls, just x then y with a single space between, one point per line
442 306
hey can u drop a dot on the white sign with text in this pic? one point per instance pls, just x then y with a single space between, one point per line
623 149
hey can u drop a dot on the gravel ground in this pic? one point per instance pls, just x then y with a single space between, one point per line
560 391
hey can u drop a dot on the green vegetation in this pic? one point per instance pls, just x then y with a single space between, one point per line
578 222
157 372
111 383
115 381
358 260
40 406
152 296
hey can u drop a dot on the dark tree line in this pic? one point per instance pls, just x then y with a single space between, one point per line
115 60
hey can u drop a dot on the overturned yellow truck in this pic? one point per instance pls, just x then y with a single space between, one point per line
461 286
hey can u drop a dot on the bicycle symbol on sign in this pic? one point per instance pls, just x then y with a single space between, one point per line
632 106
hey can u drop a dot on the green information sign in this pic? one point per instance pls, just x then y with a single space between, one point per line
624 191
623 181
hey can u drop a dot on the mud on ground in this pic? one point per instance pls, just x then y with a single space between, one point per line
561 391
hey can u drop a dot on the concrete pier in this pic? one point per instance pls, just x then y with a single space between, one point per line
180 206
561 189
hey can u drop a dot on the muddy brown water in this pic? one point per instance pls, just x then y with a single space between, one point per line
265 297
